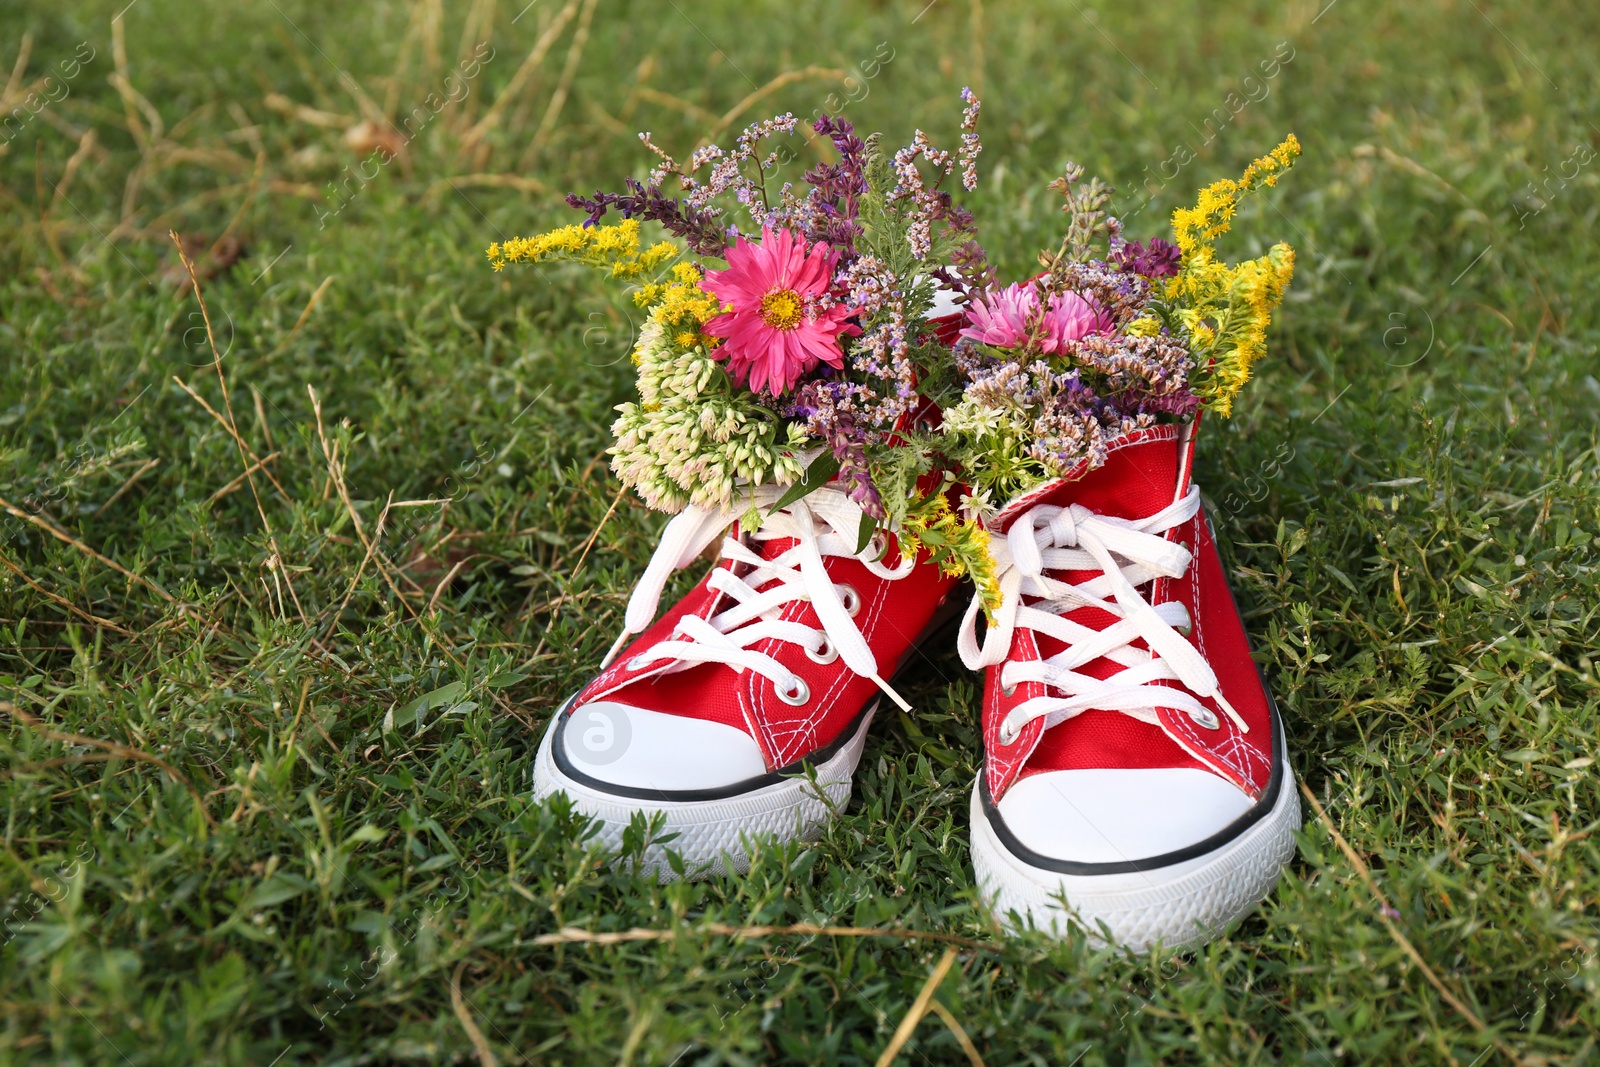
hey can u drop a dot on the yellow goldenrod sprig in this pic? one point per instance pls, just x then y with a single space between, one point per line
1225 310
615 248
1197 227
681 306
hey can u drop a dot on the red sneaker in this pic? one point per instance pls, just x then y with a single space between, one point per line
770 669
1135 772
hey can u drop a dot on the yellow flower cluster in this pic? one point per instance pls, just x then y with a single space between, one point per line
1226 310
1196 227
1256 289
615 248
958 547
681 306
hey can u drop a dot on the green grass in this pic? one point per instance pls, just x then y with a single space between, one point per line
215 851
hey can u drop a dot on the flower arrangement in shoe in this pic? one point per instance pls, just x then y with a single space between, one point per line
807 355
799 356
1055 368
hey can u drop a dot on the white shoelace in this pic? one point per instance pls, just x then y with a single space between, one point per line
1127 554
823 523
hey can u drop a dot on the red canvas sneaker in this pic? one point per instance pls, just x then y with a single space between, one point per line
1135 780
743 710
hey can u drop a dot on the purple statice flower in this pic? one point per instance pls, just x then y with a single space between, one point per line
696 218
928 204
1144 375
832 411
883 351
1121 294
970 143
1157 259
1113 383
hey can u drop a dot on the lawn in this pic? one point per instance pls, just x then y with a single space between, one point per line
291 582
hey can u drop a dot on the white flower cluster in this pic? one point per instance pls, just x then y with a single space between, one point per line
978 420
694 439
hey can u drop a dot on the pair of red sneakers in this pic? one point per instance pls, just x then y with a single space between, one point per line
1135 777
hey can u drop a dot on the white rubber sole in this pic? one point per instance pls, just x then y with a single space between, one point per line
712 835
1183 905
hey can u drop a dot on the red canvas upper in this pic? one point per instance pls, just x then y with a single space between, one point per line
1145 472
893 616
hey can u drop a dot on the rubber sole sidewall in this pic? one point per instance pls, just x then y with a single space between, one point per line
1183 905
711 835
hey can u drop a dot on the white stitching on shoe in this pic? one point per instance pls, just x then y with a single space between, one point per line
1228 748
799 736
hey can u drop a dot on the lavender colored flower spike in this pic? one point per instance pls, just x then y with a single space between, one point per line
697 226
837 189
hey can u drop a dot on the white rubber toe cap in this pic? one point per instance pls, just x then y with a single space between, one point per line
641 749
1112 816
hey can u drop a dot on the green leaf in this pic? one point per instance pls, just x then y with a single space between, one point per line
275 890
823 468
408 713
869 526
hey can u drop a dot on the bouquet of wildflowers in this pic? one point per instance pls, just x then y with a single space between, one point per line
849 329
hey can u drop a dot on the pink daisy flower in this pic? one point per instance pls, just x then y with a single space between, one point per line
1006 319
776 334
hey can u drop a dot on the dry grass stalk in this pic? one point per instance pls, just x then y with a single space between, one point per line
919 1008
1384 910
144 468
62 535
275 563
480 1044
63 601
473 138
234 433
558 99
112 750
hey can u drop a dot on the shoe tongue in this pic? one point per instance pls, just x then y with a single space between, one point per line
1144 472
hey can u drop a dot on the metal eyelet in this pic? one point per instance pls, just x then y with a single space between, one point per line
637 663
1186 628
1207 718
826 654
1007 734
1009 690
799 694
879 546
850 599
